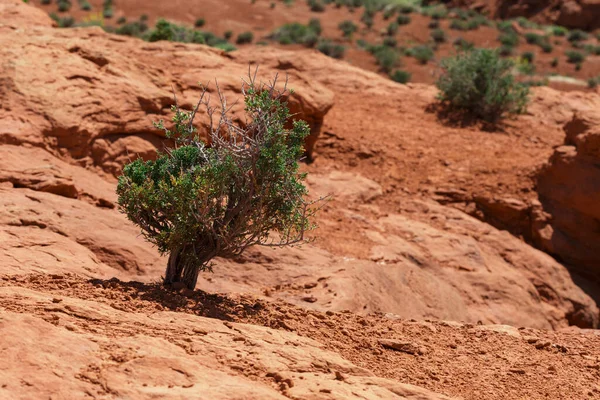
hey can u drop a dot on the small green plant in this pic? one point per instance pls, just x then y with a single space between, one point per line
348 28
228 34
436 12
533 38
400 76
525 67
433 24
135 29
438 35
46 2
479 82
330 48
392 28
403 19
296 33
121 20
577 36
386 57
509 39
199 23
196 202
367 18
423 54
85 5
505 51
574 57
315 25
64 5
547 47
316 5
554 62
390 41
463 44
559 30
244 38
528 56
593 82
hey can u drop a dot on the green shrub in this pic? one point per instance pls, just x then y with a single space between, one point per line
228 34
46 2
196 202
577 36
388 13
533 38
392 28
135 29
386 57
165 30
403 19
525 67
436 12
406 9
593 82
64 22
315 25
505 27
245 37
574 57
199 23
559 31
505 50
528 56
463 44
121 20
367 19
85 5
390 41
348 28
480 83
458 25
422 53
546 47
509 39
316 5
433 24
438 35
554 62
64 5
108 12
401 76
330 48
295 33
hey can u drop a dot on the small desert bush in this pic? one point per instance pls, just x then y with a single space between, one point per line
135 29
296 33
559 30
403 19
574 57
348 28
479 82
330 48
316 5
199 23
438 35
400 76
165 30
509 39
315 25
64 5
198 201
245 37
423 54
392 28
385 56
577 36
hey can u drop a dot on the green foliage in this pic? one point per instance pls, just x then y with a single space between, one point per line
390 41
533 38
330 48
400 76
135 29
165 30
121 20
509 39
505 26
577 36
546 47
296 33
196 202
63 22
505 51
392 28
479 82
316 5
574 57
403 19
463 44
315 25
422 53
85 5
525 66
348 28
528 56
386 57
64 5
367 18
554 62
593 82
559 30
199 23
46 2
227 34
438 35
433 24
245 37
436 12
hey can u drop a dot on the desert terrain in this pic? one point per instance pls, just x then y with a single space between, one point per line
452 261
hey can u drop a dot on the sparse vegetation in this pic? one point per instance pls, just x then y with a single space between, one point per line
403 19
297 33
244 38
401 76
479 82
386 57
438 35
348 28
423 54
316 5
574 57
196 202
330 48
577 36
509 39
199 23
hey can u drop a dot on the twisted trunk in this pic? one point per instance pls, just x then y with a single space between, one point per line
185 268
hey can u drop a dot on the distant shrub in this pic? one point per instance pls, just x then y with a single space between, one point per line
392 28
386 57
390 41
505 26
438 35
165 30
367 18
403 19
559 31
546 47
228 34
245 37
64 5
135 29
574 57
295 33
199 23
528 56
330 48
533 38
436 12
505 51
554 62
525 67
433 24
406 9
315 25
509 39
593 82
85 5
401 76
480 83
63 22
108 12
46 2
348 28
316 5
463 44
423 54
121 20
577 36
388 13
